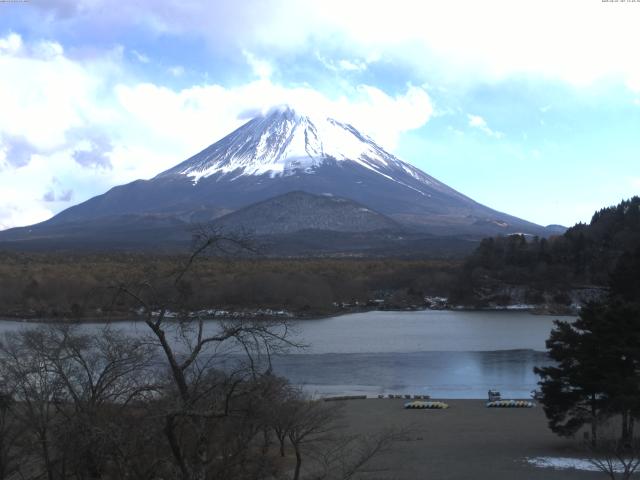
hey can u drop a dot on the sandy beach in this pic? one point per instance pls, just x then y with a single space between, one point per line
466 441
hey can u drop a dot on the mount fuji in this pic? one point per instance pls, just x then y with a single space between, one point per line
264 160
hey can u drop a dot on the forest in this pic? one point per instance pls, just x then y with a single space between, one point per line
79 286
587 255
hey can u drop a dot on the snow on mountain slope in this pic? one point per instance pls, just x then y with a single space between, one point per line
285 142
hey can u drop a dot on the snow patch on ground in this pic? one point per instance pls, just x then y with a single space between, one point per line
565 463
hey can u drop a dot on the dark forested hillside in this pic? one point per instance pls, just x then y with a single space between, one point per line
549 270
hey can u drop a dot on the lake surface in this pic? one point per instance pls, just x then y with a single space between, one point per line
446 354
427 331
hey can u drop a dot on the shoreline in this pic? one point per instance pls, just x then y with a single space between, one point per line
386 398
288 315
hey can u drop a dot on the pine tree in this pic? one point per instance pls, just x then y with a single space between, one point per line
625 279
597 370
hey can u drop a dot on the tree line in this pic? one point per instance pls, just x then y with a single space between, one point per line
586 254
57 286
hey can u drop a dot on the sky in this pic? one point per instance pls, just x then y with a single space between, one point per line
529 107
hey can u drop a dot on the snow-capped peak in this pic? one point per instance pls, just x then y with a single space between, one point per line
283 142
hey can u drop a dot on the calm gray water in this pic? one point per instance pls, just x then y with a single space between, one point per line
427 331
447 354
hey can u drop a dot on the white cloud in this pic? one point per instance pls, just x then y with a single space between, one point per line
350 65
186 116
576 41
261 68
43 96
346 65
176 71
91 128
141 57
476 121
22 190
47 50
11 44
633 83
492 39
13 213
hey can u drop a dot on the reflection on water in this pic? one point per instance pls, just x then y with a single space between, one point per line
446 354
439 374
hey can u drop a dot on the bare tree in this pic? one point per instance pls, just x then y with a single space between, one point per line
205 389
34 385
310 422
613 456
70 391
277 410
314 430
101 375
10 434
348 455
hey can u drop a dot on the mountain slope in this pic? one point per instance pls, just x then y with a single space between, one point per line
281 152
297 211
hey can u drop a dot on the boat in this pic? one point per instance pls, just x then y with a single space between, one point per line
420 404
511 404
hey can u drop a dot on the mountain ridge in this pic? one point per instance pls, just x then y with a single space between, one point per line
281 152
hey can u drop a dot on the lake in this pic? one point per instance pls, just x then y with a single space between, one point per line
446 354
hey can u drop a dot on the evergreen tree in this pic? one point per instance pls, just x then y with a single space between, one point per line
597 370
625 279
571 390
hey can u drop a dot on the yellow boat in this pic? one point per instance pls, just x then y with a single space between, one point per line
418 404
511 404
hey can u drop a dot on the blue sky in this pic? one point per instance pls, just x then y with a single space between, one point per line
532 108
